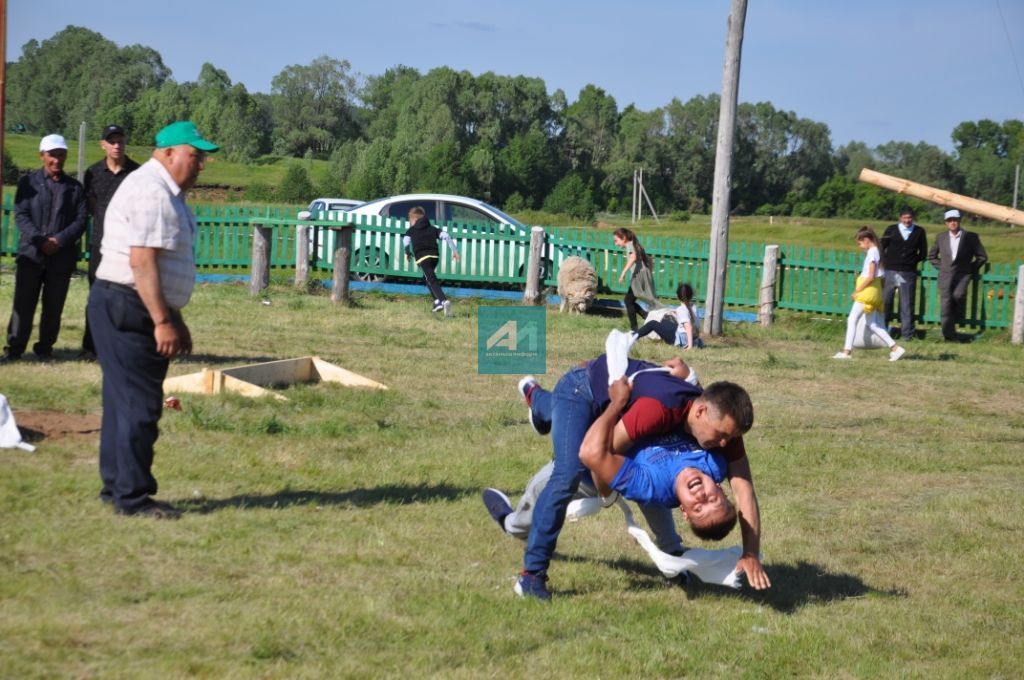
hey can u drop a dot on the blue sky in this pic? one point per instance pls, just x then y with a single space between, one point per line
872 71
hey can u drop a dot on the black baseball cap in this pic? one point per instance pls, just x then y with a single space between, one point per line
112 130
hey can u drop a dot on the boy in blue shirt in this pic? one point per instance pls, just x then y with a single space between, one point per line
677 471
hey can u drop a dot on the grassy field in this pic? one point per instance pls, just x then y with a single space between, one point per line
340 533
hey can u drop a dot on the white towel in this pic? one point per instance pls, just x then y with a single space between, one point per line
717 567
10 437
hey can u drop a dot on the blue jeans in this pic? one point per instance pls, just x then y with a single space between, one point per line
571 410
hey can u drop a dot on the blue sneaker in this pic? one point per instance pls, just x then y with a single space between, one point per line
526 387
498 505
533 585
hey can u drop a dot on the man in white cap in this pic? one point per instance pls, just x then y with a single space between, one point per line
49 209
957 255
144 279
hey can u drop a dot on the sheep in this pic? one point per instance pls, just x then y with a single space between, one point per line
577 284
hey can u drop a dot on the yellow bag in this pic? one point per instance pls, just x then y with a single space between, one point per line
870 297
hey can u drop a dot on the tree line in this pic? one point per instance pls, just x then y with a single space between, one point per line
504 139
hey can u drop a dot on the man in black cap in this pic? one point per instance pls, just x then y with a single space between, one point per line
102 179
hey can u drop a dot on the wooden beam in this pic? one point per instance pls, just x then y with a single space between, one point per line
253 379
974 206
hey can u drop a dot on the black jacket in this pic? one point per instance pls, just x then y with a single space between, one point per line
33 204
423 239
903 256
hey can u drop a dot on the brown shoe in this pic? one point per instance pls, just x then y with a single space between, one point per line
155 510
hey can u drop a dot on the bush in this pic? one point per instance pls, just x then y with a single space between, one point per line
258 192
295 187
571 196
515 203
680 216
11 172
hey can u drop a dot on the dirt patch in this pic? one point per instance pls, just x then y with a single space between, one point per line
39 425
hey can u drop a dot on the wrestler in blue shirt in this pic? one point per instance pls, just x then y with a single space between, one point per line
677 472
649 473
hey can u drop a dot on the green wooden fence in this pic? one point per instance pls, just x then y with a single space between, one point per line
809 279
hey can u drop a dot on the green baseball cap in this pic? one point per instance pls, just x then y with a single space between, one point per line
183 132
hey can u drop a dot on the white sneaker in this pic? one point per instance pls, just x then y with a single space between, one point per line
447 306
842 355
897 353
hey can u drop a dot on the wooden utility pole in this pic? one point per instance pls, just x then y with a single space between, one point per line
3 82
718 256
992 211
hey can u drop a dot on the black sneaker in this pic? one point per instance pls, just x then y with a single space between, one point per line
533 585
153 509
498 505
438 306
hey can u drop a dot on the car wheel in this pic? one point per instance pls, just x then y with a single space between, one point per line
370 260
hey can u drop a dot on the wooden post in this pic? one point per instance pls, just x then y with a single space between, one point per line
81 152
768 278
532 295
718 256
992 211
260 273
301 255
339 290
1017 336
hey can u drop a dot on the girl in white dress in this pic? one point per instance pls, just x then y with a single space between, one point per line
867 297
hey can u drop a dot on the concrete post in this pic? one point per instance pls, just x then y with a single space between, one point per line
1017 336
769 274
532 295
301 255
260 274
339 290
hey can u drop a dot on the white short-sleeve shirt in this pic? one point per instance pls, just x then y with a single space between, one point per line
873 256
148 210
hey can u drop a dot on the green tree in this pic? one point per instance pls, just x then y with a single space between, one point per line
78 75
228 114
313 107
986 155
591 129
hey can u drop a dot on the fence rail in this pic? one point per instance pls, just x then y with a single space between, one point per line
809 279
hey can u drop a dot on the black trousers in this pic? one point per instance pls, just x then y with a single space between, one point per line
665 328
633 309
428 267
94 263
133 376
32 280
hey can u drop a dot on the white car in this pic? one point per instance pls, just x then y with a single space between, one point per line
376 251
321 205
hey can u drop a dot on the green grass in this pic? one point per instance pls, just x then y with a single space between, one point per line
340 533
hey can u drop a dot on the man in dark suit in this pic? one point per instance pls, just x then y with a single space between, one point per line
49 208
904 247
957 255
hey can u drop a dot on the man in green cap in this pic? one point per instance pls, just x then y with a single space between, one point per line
144 279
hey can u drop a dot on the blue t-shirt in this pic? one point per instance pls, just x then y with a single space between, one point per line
649 475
